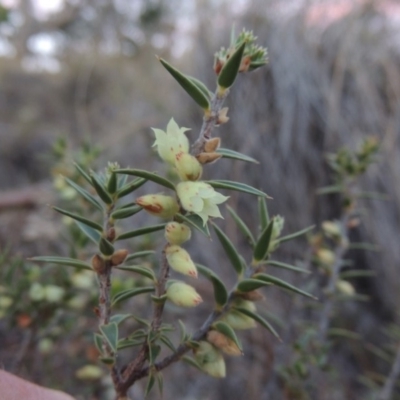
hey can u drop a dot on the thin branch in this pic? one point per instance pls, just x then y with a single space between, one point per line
387 390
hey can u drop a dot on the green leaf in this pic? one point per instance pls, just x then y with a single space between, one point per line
237 186
261 247
231 68
282 284
364 246
226 330
188 85
191 361
139 254
248 285
140 231
112 183
160 383
83 173
241 225
84 193
230 250
357 273
127 294
106 247
100 189
330 189
118 318
339 332
228 153
70 262
86 221
296 234
148 176
263 213
130 187
184 335
168 342
98 342
287 266
110 333
150 383
154 351
148 273
201 86
263 322
125 343
91 233
195 222
220 292
125 212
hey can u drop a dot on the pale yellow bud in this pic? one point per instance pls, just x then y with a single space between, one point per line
222 342
345 288
208 158
212 145
223 116
187 166
183 295
210 360
325 256
159 205
331 229
179 260
176 233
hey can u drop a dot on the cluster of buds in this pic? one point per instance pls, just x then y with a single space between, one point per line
209 154
210 359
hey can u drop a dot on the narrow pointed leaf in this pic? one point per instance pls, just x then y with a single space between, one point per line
139 254
91 233
127 294
357 273
263 213
148 273
231 68
79 218
230 250
282 284
168 342
112 183
126 343
226 330
160 383
296 234
110 333
241 225
84 193
237 186
98 342
263 322
195 222
150 383
130 187
83 173
118 318
345 333
184 336
261 247
191 361
188 85
125 212
121 181
100 189
148 176
220 292
201 86
364 246
287 266
248 285
106 247
235 155
330 189
70 262
154 351
140 231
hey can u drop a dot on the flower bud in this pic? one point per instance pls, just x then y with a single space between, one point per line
180 261
119 257
239 321
212 144
159 205
254 295
208 158
279 222
325 256
345 288
331 229
222 342
210 360
223 116
187 166
98 264
183 295
176 233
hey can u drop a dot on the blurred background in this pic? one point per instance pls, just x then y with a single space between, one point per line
79 81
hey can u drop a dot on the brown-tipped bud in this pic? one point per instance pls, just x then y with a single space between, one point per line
222 342
212 144
223 116
119 257
254 295
98 264
180 261
245 64
111 234
207 158
159 205
188 167
176 233
183 295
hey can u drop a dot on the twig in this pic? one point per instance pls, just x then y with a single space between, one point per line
387 390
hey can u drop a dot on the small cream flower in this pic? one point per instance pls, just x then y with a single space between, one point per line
200 198
171 142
